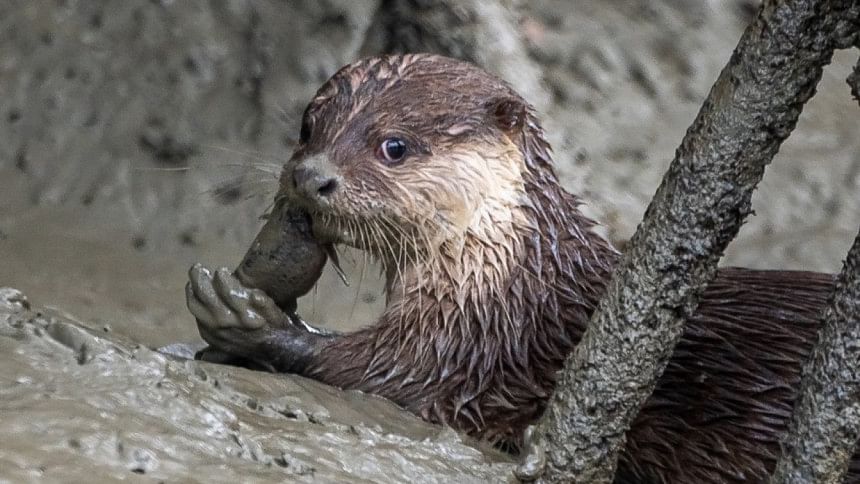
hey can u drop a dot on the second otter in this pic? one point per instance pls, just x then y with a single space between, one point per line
443 173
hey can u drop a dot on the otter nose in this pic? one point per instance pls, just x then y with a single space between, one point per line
311 182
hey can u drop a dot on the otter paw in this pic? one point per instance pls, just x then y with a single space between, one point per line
246 323
218 300
231 316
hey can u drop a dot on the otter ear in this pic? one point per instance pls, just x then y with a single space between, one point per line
508 113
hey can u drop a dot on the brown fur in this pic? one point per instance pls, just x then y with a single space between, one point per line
493 272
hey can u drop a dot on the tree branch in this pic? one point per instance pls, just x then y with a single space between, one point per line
696 212
825 424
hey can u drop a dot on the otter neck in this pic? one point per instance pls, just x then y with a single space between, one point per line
498 283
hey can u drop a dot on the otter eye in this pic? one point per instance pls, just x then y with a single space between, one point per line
392 150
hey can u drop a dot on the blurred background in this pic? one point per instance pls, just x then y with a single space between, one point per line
138 137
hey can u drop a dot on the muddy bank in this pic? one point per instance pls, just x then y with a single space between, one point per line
134 414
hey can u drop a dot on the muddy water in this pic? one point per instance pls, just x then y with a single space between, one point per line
134 414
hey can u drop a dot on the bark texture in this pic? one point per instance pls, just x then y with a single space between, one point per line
825 425
697 210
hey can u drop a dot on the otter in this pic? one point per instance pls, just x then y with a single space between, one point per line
442 172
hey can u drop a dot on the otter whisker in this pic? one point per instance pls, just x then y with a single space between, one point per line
358 234
333 256
229 191
274 163
360 276
432 252
382 239
266 169
401 320
418 274
401 263
273 170
267 212
163 168
399 275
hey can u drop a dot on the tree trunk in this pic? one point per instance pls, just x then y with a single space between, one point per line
696 212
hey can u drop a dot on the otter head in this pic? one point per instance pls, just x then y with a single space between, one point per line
402 155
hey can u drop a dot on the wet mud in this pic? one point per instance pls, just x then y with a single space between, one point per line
95 407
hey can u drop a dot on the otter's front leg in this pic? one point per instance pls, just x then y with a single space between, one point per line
238 321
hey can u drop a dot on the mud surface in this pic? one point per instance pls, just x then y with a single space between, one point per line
139 137
92 407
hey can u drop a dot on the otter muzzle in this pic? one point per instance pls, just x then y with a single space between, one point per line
315 179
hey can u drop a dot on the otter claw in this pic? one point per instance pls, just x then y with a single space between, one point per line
238 298
205 302
258 298
201 283
268 309
197 308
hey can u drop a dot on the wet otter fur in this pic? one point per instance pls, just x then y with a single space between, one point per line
492 274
